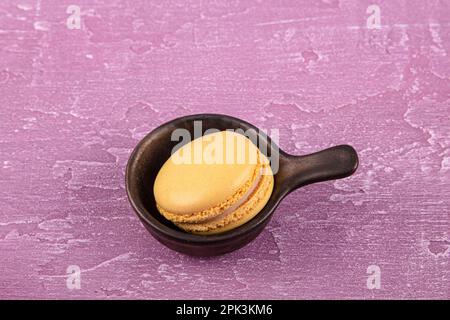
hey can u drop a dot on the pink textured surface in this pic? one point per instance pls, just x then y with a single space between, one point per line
75 102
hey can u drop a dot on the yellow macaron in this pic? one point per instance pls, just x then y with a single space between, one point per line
214 183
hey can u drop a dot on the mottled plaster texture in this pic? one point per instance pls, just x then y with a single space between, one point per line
75 101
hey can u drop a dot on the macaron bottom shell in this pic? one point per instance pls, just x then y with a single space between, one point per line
244 213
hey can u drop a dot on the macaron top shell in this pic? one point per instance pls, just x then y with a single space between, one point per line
201 175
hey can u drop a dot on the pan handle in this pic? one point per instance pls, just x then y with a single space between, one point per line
329 164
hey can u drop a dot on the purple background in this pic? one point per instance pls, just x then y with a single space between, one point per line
74 103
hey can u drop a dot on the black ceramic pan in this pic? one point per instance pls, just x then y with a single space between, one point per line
293 172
